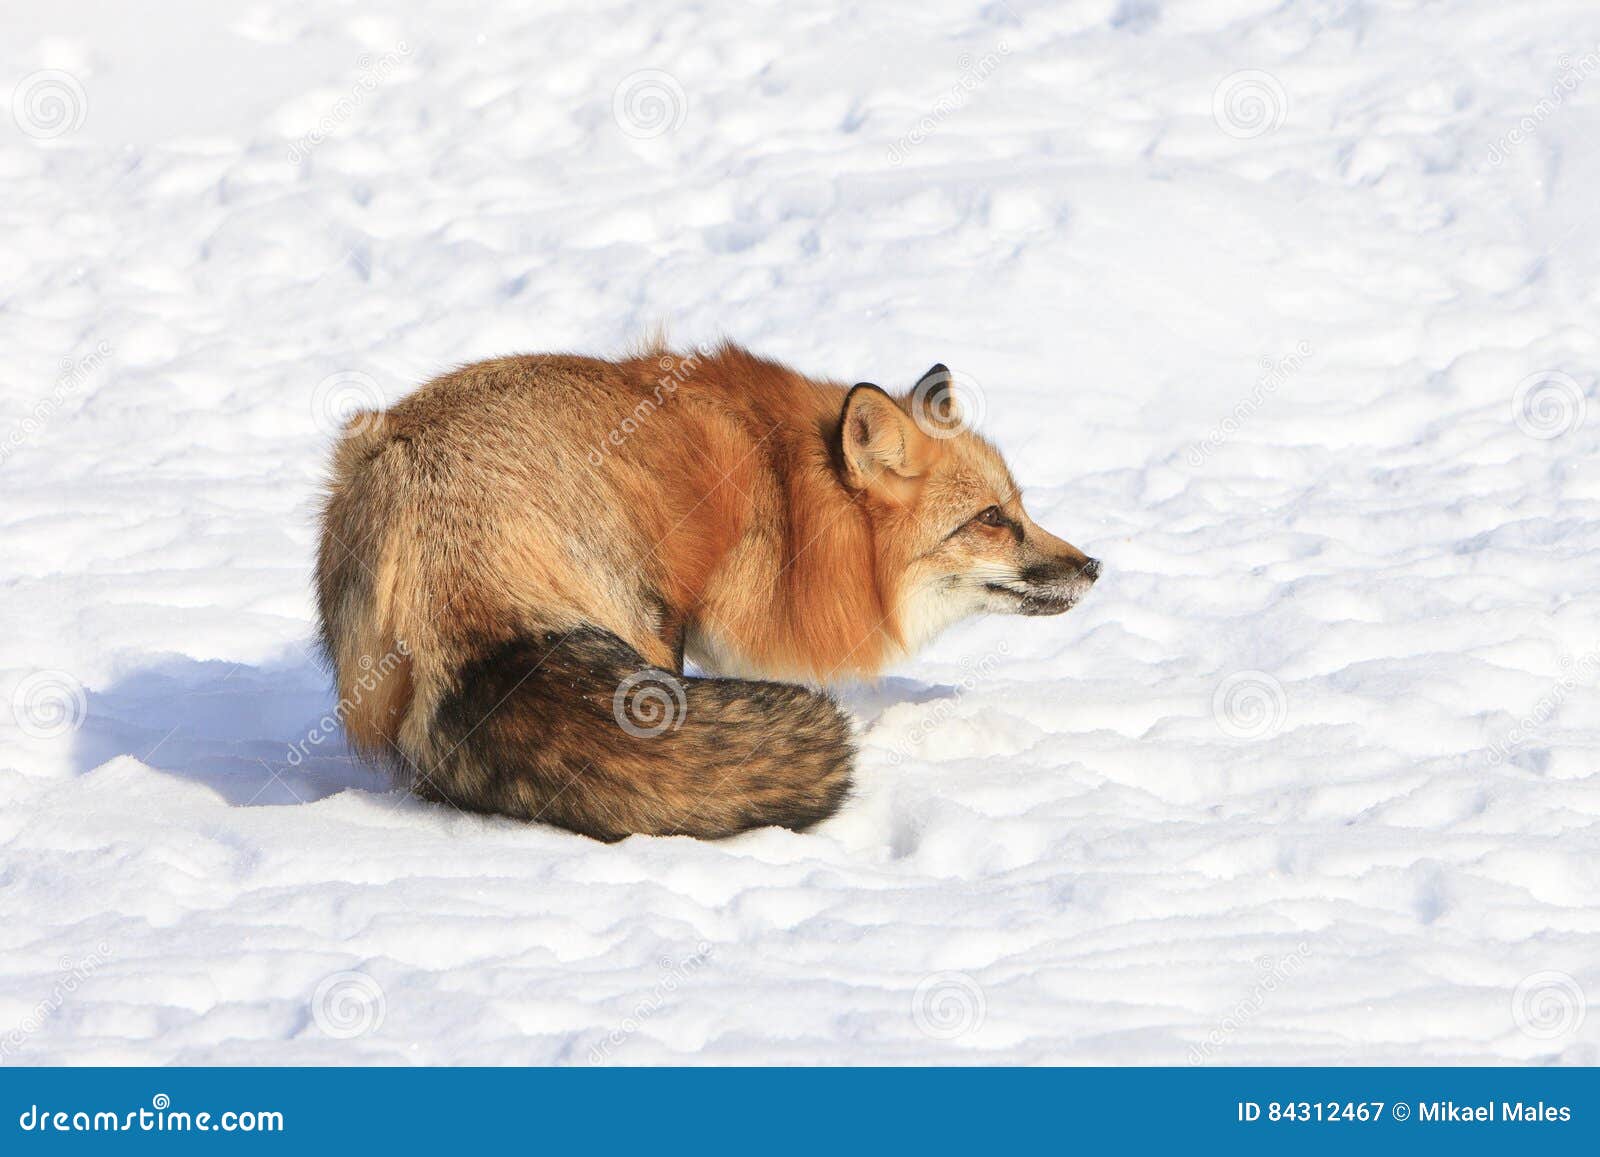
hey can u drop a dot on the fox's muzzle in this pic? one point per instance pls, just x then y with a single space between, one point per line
1053 587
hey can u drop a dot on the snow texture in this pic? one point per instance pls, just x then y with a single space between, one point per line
1283 309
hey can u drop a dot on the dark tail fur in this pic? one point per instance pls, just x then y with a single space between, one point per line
574 729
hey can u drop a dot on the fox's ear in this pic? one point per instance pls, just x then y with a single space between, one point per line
933 402
877 439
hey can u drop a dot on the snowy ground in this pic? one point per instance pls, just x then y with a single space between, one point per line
1285 310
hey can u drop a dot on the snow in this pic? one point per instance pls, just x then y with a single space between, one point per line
1284 310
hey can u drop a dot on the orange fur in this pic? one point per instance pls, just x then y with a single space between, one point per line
713 502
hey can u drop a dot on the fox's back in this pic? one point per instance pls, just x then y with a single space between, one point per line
538 491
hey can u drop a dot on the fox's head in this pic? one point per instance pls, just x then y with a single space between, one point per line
949 527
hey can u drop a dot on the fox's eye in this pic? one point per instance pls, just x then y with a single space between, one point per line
990 517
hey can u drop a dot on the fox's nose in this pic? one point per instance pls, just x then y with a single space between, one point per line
1091 569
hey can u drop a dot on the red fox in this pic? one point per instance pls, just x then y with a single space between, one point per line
517 558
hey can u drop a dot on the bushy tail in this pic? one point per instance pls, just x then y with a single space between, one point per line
574 729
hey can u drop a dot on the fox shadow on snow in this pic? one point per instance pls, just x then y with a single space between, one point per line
245 731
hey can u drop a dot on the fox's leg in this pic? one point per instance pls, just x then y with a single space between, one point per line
662 643
675 633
